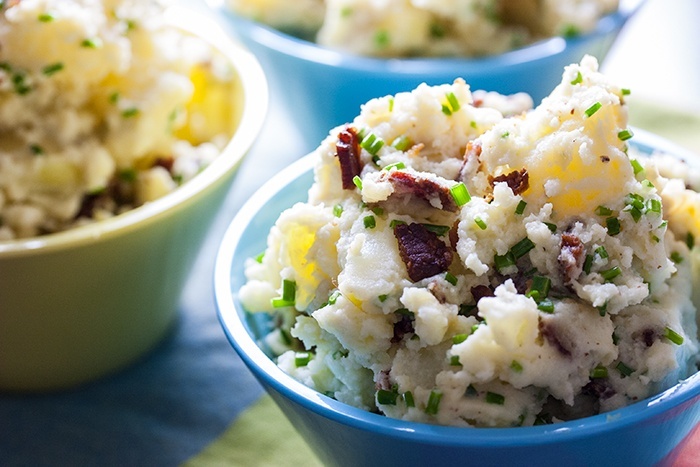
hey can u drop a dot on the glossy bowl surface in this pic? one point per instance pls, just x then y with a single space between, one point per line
322 88
641 434
83 303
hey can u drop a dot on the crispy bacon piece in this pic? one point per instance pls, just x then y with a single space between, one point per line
600 388
402 327
405 183
517 180
472 152
648 336
422 251
481 291
549 331
454 234
348 151
383 380
166 162
571 257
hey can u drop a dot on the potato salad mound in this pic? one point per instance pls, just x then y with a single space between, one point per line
102 108
465 260
405 28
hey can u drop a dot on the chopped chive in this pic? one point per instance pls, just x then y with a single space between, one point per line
624 369
520 208
376 159
602 309
480 222
654 205
337 210
402 143
357 181
599 372
449 277
433 402
285 337
454 360
333 297
130 112
452 104
280 303
302 359
635 200
395 165
372 143
625 92
49 70
690 240
260 257
624 135
676 257
460 194
569 31
516 366
542 285
546 305
385 397
521 248
370 222
36 149
46 17
391 104
593 109
636 166
381 39
289 290
128 175
382 298
603 211
610 274
377 210
395 222
613 225
459 338
552 227
466 310
578 79
404 312
602 252
673 336
635 213
504 261
437 31
438 229
473 124
92 43
408 399
495 398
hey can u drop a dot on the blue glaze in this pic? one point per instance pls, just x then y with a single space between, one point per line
322 88
642 434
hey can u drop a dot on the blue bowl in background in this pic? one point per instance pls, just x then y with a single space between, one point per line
322 88
642 434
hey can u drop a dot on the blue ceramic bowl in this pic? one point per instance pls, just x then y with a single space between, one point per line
322 88
644 433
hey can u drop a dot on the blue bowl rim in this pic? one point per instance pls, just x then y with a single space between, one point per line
686 391
304 50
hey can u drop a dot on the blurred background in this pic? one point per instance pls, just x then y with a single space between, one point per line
186 402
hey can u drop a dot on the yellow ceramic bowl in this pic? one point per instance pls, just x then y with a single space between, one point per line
83 303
